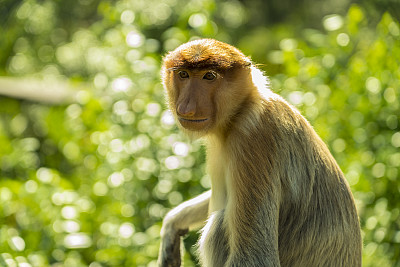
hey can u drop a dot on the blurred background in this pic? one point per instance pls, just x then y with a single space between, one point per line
91 160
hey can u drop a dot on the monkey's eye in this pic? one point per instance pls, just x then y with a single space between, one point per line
183 74
209 76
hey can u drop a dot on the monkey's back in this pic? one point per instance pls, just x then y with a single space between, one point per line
318 222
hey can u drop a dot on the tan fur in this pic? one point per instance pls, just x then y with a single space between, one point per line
278 198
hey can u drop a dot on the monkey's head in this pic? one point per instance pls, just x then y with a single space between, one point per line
205 81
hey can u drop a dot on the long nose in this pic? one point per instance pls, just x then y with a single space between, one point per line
186 104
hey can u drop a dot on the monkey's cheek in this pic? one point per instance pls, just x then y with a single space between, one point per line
195 125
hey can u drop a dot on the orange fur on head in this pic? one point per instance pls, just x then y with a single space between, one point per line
206 54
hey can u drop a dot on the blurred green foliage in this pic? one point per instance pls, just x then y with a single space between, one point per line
87 183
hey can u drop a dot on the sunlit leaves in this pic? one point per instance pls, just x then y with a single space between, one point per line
87 184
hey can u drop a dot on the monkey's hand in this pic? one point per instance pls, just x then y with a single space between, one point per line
187 216
170 248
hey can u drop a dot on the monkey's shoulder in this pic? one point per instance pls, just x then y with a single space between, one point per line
272 116
272 128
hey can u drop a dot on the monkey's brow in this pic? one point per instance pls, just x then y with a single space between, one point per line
174 68
216 70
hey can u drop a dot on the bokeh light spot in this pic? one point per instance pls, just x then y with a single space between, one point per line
121 84
100 189
333 22
69 212
77 240
134 39
343 39
373 85
17 243
181 149
172 162
126 230
396 139
197 20
127 17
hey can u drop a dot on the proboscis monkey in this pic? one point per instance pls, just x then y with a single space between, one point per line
278 197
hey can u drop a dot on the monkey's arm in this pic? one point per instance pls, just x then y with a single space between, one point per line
253 208
187 216
253 226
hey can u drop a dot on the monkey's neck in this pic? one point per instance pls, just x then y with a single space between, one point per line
244 117
217 170
242 122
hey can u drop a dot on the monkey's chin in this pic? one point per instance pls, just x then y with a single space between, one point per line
196 125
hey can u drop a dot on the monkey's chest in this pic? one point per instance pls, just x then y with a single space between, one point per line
220 177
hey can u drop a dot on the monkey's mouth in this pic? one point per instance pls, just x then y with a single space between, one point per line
194 124
192 120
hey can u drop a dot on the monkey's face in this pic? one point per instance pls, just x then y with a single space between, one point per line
191 96
206 81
